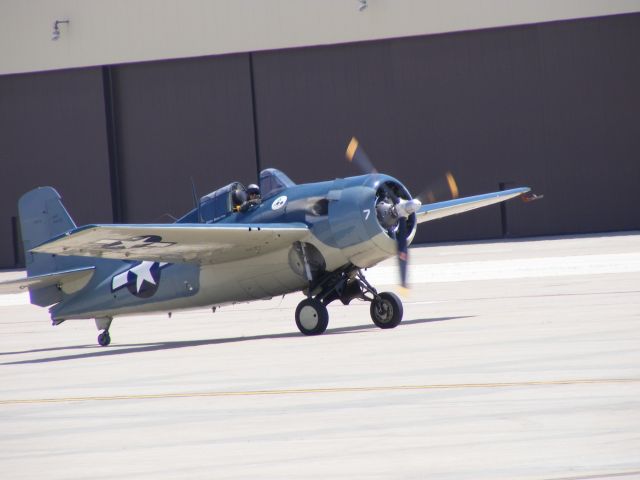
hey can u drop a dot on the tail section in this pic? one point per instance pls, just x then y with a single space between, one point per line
42 217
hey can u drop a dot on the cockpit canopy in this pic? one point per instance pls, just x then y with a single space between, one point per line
216 205
273 181
222 202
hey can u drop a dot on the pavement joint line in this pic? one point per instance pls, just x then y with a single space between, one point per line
390 388
598 476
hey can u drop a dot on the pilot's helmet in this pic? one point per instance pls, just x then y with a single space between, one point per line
253 190
239 197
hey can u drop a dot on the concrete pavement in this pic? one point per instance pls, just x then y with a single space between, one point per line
515 359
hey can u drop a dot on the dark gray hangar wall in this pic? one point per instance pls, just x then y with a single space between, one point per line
552 105
52 132
180 120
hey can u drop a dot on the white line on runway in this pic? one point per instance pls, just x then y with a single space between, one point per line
511 269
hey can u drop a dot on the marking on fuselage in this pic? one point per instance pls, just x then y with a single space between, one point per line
142 280
279 202
367 212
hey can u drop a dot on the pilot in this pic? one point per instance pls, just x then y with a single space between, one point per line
253 197
239 198
253 191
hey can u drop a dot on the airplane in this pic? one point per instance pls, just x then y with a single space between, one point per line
234 246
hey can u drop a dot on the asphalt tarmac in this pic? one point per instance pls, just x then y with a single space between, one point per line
515 360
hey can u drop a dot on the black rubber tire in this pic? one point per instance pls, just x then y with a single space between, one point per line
104 339
312 317
386 311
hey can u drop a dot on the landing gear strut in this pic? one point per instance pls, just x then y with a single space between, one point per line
346 284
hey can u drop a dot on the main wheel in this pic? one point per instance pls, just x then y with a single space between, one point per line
312 317
104 339
386 311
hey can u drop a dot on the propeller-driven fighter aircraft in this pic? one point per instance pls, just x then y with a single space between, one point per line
235 246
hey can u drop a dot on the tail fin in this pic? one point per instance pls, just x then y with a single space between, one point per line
42 217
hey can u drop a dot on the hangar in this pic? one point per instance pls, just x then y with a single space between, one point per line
118 104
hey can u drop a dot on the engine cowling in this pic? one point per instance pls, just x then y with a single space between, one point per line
363 221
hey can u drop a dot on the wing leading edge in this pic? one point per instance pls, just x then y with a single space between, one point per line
175 243
433 211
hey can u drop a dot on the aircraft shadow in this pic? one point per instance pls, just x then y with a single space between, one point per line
124 349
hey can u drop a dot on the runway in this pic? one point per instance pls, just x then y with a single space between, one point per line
515 359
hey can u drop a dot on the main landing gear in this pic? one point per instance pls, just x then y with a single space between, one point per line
312 316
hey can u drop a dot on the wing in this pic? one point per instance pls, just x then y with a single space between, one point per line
175 243
433 211
67 281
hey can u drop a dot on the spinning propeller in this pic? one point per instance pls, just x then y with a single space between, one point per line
394 211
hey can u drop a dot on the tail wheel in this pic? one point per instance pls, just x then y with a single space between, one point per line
104 339
386 310
312 317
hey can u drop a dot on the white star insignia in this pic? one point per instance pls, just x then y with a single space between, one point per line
142 273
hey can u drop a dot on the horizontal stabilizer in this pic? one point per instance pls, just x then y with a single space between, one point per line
176 243
69 281
433 211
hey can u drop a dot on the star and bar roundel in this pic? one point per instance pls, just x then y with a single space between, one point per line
142 280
